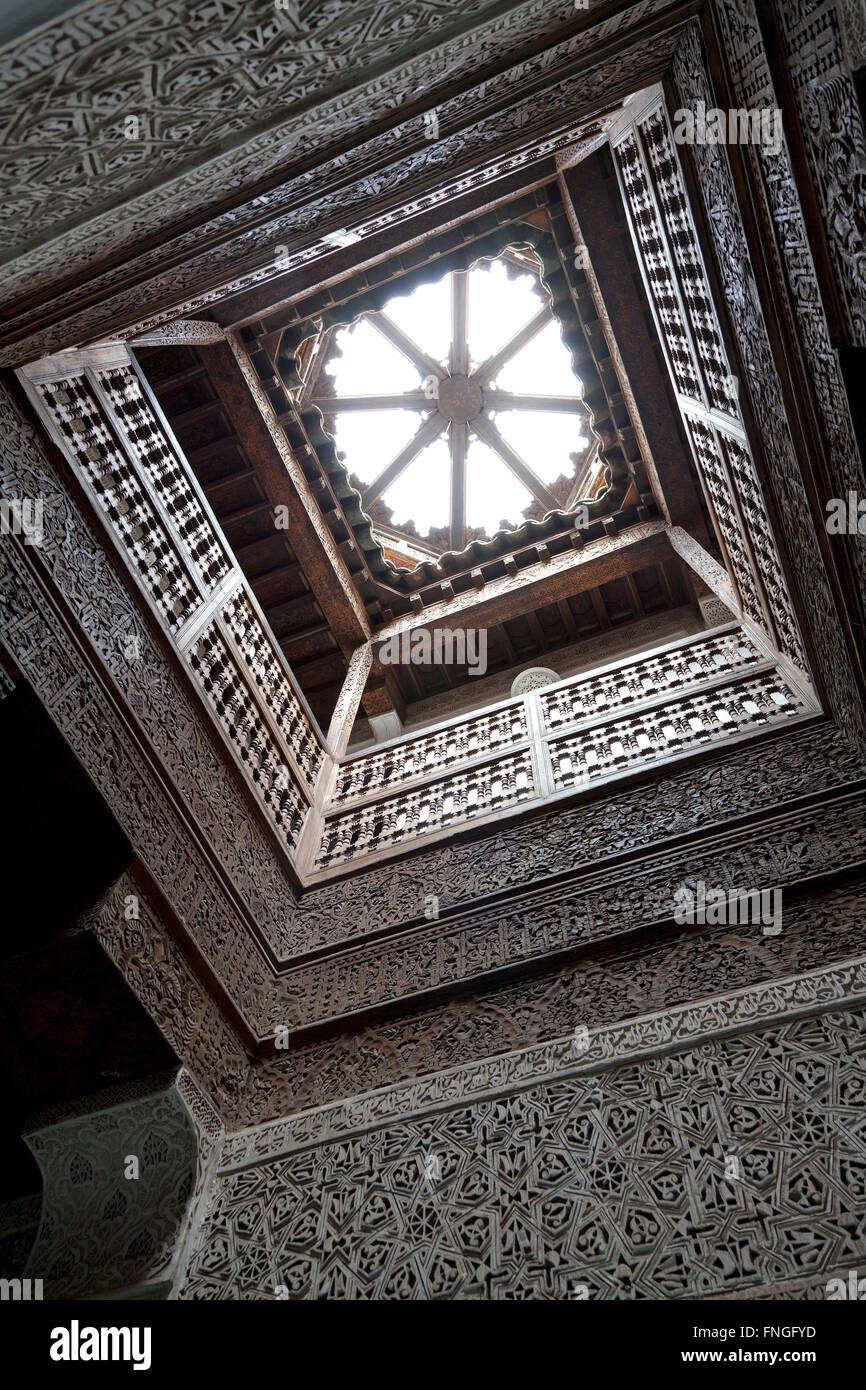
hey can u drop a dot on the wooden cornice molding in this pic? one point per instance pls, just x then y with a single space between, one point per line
546 581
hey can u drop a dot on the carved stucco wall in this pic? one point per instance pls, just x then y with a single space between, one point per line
597 1166
626 975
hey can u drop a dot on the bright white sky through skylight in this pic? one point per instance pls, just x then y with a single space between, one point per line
498 307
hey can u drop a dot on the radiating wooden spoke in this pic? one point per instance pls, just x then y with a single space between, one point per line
488 369
459 401
406 400
458 439
426 365
507 400
487 431
430 430
317 360
458 359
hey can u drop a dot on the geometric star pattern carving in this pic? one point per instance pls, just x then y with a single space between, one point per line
616 1182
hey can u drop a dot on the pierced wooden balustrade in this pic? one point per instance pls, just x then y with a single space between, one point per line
700 691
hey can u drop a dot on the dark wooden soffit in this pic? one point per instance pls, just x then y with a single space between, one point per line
264 308
539 636
227 380
598 563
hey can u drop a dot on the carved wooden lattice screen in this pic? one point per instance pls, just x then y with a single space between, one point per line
101 415
678 289
692 694
331 812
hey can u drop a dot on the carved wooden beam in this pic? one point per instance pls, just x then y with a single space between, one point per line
610 557
703 564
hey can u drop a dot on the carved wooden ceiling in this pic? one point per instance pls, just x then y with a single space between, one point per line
155 177
220 428
256 231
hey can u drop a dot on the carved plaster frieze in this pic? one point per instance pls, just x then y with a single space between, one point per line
549 1174
609 985
215 82
324 201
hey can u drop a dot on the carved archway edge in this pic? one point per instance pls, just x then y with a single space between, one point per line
125 1173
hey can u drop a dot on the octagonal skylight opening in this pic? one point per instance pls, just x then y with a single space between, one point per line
455 409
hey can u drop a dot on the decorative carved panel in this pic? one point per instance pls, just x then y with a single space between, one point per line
760 380
538 1175
131 467
814 33
106 1228
786 245
619 980
515 759
487 133
665 238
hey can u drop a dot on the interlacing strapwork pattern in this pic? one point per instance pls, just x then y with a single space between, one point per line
702 691
679 291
